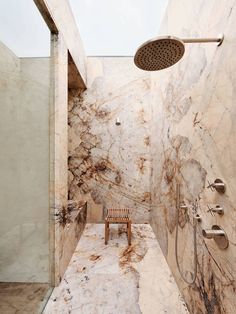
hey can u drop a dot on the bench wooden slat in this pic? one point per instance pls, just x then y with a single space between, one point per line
121 215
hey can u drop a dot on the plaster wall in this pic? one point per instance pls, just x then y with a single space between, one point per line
24 164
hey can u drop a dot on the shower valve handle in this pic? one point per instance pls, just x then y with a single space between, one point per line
217 209
217 185
210 209
183 206
210 185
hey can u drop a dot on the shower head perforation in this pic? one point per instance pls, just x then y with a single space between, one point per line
159 53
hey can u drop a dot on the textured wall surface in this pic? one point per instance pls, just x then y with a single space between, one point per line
109 164
193 139
68 220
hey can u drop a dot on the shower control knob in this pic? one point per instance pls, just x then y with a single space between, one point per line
183 206
218 185
217 209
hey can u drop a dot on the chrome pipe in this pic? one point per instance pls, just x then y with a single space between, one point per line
211 233
200 40
218 40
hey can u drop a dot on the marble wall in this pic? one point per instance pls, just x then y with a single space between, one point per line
193 140
109 164
68 219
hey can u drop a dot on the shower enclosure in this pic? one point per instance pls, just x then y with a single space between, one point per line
25 93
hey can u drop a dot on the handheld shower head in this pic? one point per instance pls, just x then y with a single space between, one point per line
162 52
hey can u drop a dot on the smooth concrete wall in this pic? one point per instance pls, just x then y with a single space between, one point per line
24 167
193 141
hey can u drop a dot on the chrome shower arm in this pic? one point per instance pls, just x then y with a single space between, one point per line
218 40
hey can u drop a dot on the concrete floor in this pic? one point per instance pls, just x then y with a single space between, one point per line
115 278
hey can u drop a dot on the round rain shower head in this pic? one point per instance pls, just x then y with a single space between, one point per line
162 52
159 53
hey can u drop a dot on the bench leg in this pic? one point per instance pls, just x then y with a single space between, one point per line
106 231
129 232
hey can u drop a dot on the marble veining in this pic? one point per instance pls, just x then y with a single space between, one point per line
193 141
117 278
107 162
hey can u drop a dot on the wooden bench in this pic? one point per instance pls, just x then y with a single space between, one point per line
118 216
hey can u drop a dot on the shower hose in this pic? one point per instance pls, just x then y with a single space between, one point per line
190 282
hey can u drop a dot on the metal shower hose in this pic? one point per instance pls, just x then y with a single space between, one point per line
194 242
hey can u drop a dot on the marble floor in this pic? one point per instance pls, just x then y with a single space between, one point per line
115 278
23 298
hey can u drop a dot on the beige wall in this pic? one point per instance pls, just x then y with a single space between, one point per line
109 164
63 237
193 138
24 163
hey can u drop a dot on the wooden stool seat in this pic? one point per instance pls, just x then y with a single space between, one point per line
118 216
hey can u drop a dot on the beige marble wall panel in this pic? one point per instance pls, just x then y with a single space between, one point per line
109 164
193 138
68 226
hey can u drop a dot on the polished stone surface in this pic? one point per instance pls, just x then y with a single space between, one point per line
193 141
109 164
115 278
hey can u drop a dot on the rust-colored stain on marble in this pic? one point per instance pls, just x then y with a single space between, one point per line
103 114
101 165
169 168
142 116
94 257
146 197
118 177
141 164
147 140
133 253
63 217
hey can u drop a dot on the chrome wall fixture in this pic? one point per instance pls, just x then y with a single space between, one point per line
218 235
118 121
162 52
218 185
217 209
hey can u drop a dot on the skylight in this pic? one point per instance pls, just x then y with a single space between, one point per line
23 29
117 28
